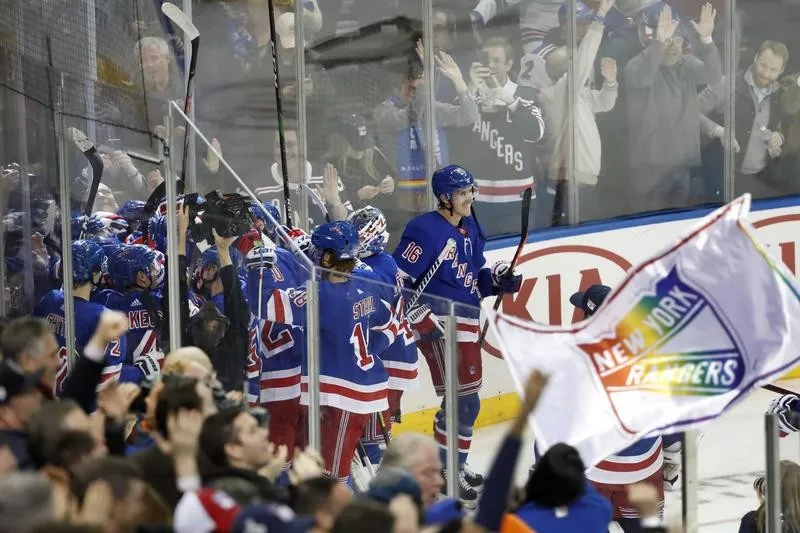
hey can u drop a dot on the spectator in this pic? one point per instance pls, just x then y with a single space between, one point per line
498 146
755 521
46 426
364 516
322 498
419 455
362 165
555 99
221 329
328 193
237 446
533 72
663 112
132 500
758 117
172 395
30 343
560 498
789 162
20 397
400 121
26 500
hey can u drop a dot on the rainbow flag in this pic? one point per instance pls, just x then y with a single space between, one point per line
685 336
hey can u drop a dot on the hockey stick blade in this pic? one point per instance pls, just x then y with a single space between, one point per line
317 202
81 140
86 146
174 13
423 281
523 237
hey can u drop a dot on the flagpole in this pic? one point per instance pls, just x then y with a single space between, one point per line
773 457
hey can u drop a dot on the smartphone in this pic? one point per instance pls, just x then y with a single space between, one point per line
483 58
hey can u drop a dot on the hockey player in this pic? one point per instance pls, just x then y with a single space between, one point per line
401 359
462 278
276 349
137 273
356 325
642 461
89 263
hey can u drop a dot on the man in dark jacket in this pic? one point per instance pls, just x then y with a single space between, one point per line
757 140
19 399
220 328
238 446
663 115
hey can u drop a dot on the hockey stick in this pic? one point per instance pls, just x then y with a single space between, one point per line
95 161
318 202
419 287
384 431
523 237
173 13
279 108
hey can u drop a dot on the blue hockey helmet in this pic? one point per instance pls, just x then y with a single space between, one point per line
157 231
88 258
258 214
449 179
94 227
131 209
340 238
129 260
371 226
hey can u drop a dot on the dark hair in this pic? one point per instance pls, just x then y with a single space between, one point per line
117 472
364 516
312 494
20 335
216 433
70 449
179 392
45 427
558 478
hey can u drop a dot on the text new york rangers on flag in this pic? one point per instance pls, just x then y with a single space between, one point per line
687 334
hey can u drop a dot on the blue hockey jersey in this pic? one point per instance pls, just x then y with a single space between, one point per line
142 337
87 315
461 278
275 352
356 325
401 359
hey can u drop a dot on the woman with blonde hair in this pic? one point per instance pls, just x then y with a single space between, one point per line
755 521
361 164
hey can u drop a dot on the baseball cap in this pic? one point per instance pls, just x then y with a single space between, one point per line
272 518
14 381
590 299
356 131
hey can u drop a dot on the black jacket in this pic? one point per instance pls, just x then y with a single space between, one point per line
230 356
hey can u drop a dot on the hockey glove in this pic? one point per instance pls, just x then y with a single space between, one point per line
503 280
427 326
148 365
787 408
